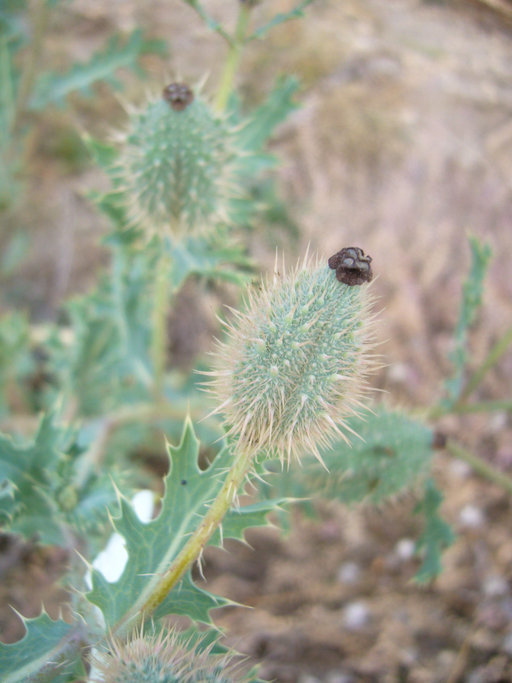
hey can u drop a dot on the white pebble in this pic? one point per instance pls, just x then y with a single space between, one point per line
349 572
495 586
405 549
355 616
471 517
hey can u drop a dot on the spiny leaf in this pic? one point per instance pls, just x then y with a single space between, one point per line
37 497
391 452
31 510
189 600
437 535
263 121
53 88
209 20
109 362
19 463
295 13
104 154
45 641
472 291
152 547
211 257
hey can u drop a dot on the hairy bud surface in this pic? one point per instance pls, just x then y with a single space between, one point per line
175 166
294 363
164 658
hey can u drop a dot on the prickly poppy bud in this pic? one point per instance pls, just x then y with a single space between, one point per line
294 363
176 163
166 658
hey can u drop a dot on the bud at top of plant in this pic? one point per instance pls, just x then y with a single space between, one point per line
176 163
294 363
164 658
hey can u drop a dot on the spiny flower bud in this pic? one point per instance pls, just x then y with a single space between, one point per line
164 658
294 363
175 166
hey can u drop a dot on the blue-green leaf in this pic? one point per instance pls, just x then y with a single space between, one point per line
436 536
53 88
295 13
263 121
390 453
472 292
210 256
45 641
152 547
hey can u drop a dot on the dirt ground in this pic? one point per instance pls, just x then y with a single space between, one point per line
402 145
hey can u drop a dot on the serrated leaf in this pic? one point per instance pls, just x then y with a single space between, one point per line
18 463
104 154
437 535
209 256
390 454
152 547
472 292
32 470
295 13
109 363
45 640
53 88
263 121
189 600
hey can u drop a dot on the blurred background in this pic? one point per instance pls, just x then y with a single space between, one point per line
402 145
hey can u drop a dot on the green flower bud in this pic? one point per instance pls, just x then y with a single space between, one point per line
175 166
294 363
164 658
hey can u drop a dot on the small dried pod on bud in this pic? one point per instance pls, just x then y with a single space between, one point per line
176 163
294 363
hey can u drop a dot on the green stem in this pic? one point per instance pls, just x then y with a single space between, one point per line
233 58
159 340
196 543
40 14
480 466
482 407
492 358
469 408
7 96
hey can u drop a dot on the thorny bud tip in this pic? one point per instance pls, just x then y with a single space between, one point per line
294 363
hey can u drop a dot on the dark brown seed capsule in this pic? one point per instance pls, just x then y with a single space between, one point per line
178 95
352 266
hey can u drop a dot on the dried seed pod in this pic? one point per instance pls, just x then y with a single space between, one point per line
179 95
352 266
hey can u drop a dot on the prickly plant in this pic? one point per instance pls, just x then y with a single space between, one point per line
176 164
165 657
295 361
